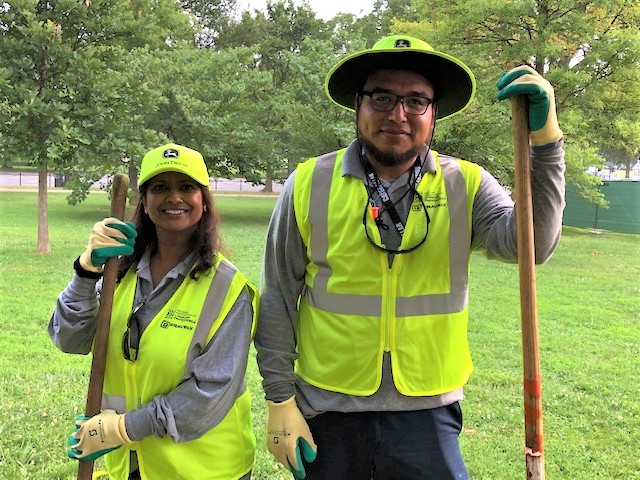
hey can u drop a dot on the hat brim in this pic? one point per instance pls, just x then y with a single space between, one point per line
452 80
173 168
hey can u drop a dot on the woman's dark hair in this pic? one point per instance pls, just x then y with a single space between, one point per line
205 240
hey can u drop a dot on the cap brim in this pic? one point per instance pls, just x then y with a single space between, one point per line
172 168
453 81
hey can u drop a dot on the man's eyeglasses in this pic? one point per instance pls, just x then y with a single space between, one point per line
386 102
131 338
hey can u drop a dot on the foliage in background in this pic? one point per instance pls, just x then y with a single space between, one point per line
72 99
588 50
86 85
72 78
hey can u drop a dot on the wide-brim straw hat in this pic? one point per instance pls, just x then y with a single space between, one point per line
453 82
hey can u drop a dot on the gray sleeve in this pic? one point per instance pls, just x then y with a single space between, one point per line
73 323
283 274
217 379
494 222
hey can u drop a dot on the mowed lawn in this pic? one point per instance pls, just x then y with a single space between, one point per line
588 311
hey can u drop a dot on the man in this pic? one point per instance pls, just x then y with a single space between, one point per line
362 332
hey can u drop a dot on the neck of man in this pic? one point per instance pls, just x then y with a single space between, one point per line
390 172
389 166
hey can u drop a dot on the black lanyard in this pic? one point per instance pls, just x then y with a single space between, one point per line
374 181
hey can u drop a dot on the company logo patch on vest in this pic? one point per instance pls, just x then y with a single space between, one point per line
435 200
179 319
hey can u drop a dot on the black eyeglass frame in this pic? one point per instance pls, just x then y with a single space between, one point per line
390 250
130 342
398 98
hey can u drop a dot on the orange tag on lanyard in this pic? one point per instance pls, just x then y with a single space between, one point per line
375 210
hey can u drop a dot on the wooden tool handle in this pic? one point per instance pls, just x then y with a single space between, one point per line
99 356
534 448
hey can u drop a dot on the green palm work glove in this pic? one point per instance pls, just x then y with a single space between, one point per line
97 435
306 451
109 238
543 123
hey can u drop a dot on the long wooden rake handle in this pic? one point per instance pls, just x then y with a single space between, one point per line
100 343
534 449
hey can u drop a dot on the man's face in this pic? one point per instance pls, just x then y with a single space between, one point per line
395 137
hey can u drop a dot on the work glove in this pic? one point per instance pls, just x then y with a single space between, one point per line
288 436
543 123
109 238
97 435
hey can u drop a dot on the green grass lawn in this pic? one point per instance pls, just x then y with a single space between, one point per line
588 298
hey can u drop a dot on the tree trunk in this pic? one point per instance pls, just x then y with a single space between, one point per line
43 222
268 183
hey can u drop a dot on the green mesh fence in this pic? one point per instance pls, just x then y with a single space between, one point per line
623 214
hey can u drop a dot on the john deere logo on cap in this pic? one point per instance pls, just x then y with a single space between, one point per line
170 153
403 43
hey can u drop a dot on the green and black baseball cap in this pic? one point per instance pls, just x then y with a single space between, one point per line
452 80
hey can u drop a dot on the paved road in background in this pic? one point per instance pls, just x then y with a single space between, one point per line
30 179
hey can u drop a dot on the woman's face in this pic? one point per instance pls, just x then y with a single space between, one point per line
174 203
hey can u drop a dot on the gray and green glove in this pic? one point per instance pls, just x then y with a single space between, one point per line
543 123
97 435
109 238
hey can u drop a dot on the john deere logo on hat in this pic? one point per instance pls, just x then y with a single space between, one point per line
174 158
453 82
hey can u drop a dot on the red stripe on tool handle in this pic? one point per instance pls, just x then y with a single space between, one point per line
99 354
528 307
533 387
533 415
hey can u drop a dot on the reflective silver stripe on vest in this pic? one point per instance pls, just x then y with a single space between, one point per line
371 305
114 402
459 246
210 312
318 215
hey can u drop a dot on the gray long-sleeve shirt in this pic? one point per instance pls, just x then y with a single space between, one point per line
493 232
217 376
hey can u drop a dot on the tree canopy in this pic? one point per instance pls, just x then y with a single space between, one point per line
89 86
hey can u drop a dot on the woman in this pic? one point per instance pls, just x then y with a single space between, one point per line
175 403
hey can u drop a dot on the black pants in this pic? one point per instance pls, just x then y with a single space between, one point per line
417 445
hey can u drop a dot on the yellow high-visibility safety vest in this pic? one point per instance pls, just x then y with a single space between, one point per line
354 307
168 346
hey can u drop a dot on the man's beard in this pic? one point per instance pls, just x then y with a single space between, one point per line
390 159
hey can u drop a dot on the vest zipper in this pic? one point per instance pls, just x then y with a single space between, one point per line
389 302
